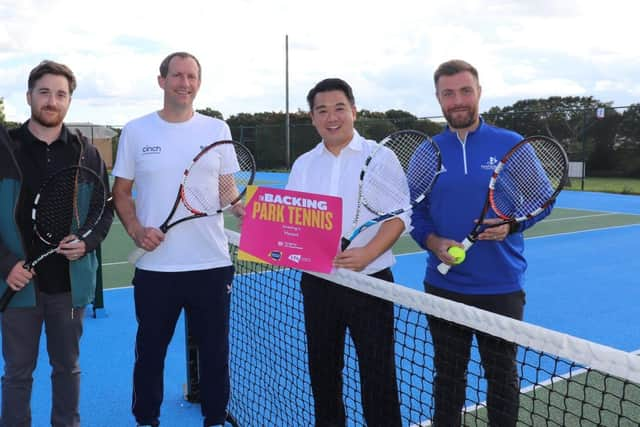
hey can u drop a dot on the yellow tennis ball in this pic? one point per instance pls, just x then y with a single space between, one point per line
458 253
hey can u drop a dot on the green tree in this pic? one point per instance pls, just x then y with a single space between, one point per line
211 113
629 130
1 110
570 120
628 142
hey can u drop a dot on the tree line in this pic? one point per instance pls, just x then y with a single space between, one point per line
607 138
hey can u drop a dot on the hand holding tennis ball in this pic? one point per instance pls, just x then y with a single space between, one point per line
458 253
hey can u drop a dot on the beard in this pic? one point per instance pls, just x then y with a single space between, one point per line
461 119
44 118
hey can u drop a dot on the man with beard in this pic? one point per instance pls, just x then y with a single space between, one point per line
491 277
56 290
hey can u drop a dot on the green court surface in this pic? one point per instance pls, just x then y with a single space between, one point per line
558 402
117 272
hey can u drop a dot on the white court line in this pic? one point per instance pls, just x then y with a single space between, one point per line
107 264
591 230
596 210
554 379
527 238
569 218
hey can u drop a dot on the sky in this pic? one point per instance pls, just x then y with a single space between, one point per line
386 50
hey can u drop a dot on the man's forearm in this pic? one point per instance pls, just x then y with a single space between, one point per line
386 236
126 210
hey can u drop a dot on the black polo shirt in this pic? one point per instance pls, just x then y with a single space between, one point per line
38 161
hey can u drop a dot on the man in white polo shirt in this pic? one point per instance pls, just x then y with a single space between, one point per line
333 168
187 268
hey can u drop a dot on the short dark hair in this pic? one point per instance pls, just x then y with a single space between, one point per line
327 85
51 67
164 65
454 66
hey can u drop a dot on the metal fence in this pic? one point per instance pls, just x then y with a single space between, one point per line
604 143
601 142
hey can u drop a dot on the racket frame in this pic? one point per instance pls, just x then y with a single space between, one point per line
181 198
29 264
384 216
472 237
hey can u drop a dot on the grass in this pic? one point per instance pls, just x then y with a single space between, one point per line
607 185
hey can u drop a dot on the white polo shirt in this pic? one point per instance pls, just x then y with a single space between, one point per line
154 154
320 171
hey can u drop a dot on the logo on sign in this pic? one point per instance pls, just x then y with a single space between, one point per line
295 258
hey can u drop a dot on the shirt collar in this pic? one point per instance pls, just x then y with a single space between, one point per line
480 125
355 144
27 136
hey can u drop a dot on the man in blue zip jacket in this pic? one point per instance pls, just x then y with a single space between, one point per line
491 277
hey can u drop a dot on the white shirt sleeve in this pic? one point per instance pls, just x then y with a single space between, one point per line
125 165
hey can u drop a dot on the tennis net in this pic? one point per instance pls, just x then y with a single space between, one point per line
563 380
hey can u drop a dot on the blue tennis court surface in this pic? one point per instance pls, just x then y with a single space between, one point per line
581 282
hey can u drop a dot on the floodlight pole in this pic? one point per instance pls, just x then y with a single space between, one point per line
286 119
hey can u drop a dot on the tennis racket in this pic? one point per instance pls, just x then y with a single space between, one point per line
524 183
205 190
71 201
404 159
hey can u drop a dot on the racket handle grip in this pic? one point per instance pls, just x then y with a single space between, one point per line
344 243
6 298
135 255
444 268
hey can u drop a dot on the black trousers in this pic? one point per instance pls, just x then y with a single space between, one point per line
329 309
159 298
452 349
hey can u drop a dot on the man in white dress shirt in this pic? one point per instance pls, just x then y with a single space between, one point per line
333 168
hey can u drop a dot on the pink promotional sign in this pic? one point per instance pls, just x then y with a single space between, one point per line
291 228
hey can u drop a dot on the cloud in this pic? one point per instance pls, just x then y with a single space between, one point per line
523 49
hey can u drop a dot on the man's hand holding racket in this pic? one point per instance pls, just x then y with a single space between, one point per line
19 277
72 248
440 245
203 192
67 207
147 238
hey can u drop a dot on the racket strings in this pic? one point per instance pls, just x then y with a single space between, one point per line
205 190
70 202
424 167
232 190
414 165
384 187
530 179
404 144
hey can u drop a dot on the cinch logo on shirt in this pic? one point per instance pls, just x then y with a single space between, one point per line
490 164
151 149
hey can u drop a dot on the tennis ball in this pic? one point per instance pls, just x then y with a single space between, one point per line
458 253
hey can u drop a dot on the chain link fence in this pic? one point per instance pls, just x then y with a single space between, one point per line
600 142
